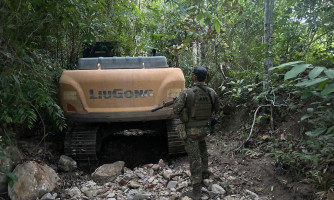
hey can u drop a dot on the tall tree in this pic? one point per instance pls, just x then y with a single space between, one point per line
268 32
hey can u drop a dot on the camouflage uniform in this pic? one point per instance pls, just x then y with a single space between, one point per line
196 129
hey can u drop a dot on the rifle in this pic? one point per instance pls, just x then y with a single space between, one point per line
165 104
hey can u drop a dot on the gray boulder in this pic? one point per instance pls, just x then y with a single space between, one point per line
67 164
3 182
12 157
49 196
14 154
171 184
137 195
217 189
34 180
108 172
167 174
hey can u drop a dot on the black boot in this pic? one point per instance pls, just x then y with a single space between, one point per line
196 193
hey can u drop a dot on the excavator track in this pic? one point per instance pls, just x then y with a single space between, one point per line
80 142
175 144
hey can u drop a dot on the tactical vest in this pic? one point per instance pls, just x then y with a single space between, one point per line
199 107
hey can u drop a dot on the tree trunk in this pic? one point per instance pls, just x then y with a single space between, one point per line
199 54
195 53
268 31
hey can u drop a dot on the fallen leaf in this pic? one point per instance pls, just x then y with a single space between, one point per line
283 137
265 137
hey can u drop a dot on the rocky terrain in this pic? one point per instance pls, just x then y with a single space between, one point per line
43 174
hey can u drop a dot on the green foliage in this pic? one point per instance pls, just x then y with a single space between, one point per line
28 90
12 178
318 83
240 90
40 38
314 84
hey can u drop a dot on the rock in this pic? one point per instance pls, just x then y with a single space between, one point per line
125 169
212 195
12 157
137 195
141 196
5 166
156 167
91 189
74 192
66 164
109 184
63 194
188 173
108 172
204 190
140 175
167 174
183 184
161 163
231 197
217 189
151 179
110 195
204 197
131 194
123 182
134 184
49 196
148 165
207 182
171 184
151 171
126 178
91 193
3 182
231 178
14 154
84 189
90 184
34 180
164 193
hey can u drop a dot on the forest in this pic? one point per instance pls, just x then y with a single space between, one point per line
272 60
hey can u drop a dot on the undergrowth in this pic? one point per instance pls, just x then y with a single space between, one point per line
302 90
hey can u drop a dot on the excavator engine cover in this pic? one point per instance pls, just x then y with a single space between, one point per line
116 89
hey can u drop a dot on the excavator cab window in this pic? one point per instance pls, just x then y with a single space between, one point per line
99 49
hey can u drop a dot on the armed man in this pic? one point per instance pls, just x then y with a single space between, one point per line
196 106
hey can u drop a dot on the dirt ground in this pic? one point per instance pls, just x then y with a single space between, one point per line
243 175
257 174
253 174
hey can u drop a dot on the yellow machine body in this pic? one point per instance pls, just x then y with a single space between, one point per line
117 95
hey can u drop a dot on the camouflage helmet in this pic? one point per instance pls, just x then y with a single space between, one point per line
200 73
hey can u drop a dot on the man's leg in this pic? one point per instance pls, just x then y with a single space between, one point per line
195 163
204 158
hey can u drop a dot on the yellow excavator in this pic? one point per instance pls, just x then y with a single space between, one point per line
104 92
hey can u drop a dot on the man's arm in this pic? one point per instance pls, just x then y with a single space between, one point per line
180 103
